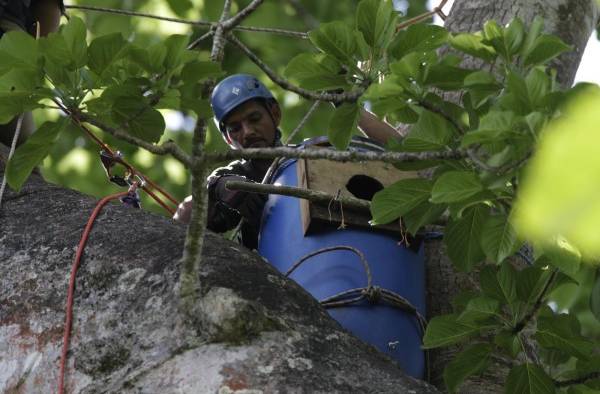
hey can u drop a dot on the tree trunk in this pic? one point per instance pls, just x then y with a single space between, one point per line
573 21
255 331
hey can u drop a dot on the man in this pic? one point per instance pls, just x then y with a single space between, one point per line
248 116
28 16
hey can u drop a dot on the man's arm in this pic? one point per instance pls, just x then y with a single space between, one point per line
377 129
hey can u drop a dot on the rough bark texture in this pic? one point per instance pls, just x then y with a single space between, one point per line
255 331
573 21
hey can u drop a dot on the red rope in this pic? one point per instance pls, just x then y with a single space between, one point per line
69 307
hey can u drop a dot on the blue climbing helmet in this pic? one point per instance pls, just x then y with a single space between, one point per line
234 91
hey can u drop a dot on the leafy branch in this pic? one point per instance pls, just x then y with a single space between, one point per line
350 97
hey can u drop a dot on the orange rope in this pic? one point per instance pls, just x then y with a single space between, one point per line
69 307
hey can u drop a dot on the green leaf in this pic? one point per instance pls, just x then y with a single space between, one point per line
509 342
473 45
431 132
494 35
447 77
418 38
31 153
336 39
180 7
18 49
316 72
373 20
479 308
463 238
507 280
74 34
446 330
518 88
472 361
421 215
453 186
557 333
343 124
544 49
138 118
197 70
562 255
398 199
176 47
514 36
156 56
488 279
528 379
171 99
535 29
538 86
498 238
104 51
531 281
20 91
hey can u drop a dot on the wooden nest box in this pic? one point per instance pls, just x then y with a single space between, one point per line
360 180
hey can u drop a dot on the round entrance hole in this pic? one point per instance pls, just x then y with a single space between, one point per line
363 186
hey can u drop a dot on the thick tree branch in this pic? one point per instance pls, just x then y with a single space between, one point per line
329 154
192 252
351 96
168 147
216 54
310 195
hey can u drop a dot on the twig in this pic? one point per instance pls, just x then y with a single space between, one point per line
311 195
168 147
237 18
302 122
351 96
538 303
198 40
419 18
13 146
135 13
216 54
442 113
330 154
290 33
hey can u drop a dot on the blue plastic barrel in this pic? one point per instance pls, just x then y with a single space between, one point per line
393 267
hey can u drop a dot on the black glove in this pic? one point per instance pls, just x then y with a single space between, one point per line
249 205
251 208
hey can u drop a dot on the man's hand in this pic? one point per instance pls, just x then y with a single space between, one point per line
184 211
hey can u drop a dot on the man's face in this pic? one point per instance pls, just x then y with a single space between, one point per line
251 126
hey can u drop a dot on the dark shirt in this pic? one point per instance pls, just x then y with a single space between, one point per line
222 203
